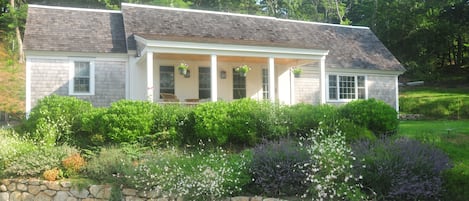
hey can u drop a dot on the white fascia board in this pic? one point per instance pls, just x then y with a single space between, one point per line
363 71
33 54
229 50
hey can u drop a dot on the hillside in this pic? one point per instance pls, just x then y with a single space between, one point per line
12 84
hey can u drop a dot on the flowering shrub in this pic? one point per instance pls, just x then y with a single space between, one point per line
330 172
194 176
107 163
401 169
305 117
277 168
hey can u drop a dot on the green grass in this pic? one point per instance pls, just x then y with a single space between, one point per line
453 138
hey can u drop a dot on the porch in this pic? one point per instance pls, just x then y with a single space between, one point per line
211 74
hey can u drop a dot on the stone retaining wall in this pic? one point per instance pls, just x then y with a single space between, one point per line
40 190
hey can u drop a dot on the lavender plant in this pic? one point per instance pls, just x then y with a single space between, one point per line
330 172
401 169
276 168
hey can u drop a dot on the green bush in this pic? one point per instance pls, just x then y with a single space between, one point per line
128 121
307 117
241 122
171 123
91 130
34 163
51 121
373 114
354 132
456 181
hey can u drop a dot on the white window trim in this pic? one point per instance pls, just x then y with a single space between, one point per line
338 100
72 75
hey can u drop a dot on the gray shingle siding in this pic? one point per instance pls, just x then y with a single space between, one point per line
382 88
308 87
50 76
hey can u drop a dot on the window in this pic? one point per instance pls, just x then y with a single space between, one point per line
204 83
82 78
239 85
167 79
345 87
265 83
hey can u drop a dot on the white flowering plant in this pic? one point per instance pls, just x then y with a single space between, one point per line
330 172
199 175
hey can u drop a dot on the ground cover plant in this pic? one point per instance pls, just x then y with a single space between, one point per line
435 103
453 138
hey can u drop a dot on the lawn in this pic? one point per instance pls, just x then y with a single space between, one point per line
453 138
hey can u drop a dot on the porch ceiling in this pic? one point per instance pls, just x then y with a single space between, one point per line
196 57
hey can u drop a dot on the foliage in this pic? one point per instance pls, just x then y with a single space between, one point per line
128 121
354 132
330 172
277 168
52 174
435 103
401 169
373 114
73 164
12 146
305 117
108 162
51 120
34 163
203 175
170 124
241 122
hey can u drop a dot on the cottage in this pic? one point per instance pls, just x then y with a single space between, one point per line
104 56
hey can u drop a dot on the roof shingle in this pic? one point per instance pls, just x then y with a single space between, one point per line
74 30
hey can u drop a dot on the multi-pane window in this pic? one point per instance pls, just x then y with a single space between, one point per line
346 87
239 85
167 79
204 83
265 83
82 78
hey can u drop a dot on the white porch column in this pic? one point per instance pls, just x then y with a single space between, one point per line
323 79
150 86
272 79
28 87
396 84
213 78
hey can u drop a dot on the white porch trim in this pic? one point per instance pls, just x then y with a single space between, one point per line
323 79
213 78
28 87
150 87
272 79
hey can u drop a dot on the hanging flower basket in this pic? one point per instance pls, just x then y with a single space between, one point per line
297 71
183 68
243 70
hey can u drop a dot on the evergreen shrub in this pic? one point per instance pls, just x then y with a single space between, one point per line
373 114
52 120
307 117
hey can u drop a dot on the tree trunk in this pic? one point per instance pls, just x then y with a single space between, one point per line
18 38
338 11
459 51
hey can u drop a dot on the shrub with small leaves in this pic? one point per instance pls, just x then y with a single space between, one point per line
305 117
373 114
277 168
36 162
107 163
12 146
401 169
